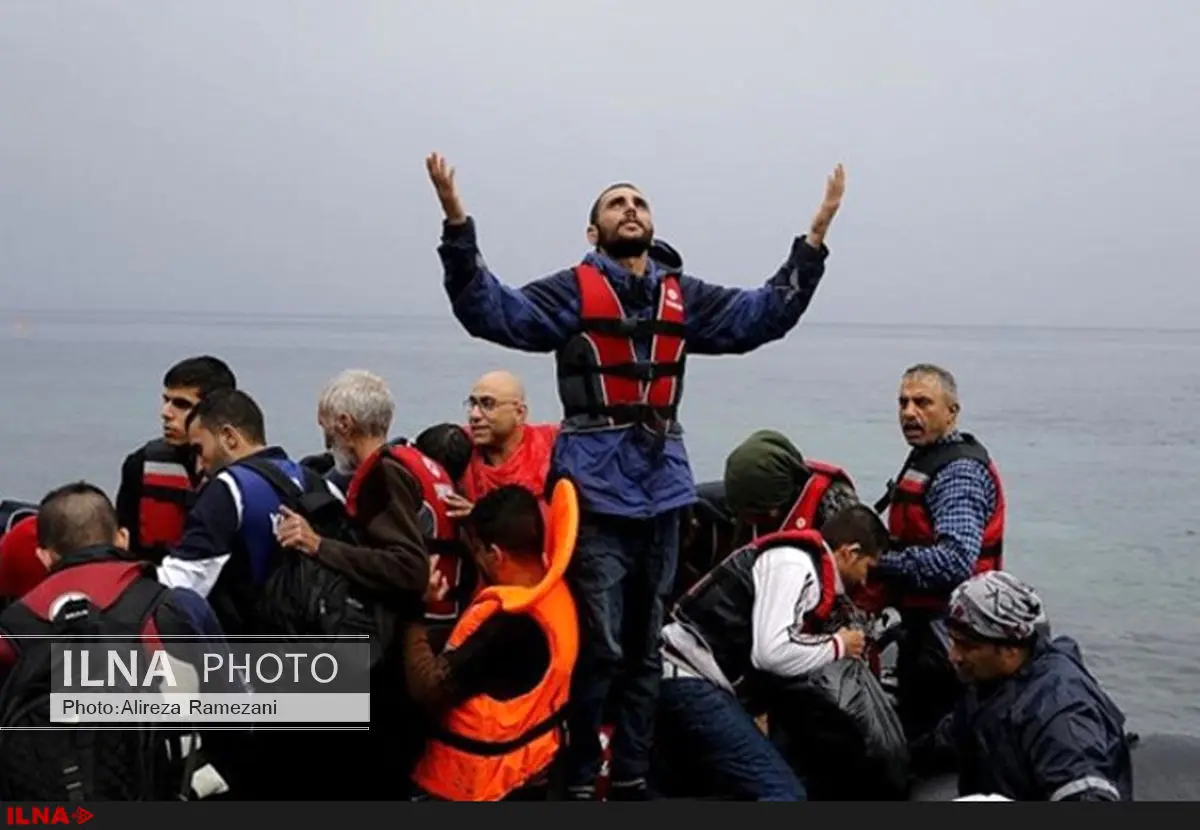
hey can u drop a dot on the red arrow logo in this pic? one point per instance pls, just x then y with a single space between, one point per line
81 815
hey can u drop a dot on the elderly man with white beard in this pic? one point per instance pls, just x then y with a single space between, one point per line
390 562
387 499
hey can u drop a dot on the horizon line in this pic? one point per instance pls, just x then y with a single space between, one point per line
354 315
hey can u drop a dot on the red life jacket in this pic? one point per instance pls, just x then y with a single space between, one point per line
124 593
719 608
812 543
803 515
910 524
441 532
165 496
601 380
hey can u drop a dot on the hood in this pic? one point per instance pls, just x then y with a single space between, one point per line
664 254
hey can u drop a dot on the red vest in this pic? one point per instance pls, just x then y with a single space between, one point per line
803 515
601 380
441 532
910 524
126 593
812 543
720 607
165 493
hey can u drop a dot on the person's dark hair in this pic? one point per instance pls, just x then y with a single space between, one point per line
594 214
448 445
205 373
230 408
510 518
857 524
75 516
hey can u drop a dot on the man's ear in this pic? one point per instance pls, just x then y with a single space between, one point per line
47 558
229 437
593 235
495 554
121 539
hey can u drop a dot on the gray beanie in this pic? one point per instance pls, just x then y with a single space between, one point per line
997 606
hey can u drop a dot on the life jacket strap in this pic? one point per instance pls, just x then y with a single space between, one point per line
496 748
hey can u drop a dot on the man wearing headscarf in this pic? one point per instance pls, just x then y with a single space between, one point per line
770 486
1034 724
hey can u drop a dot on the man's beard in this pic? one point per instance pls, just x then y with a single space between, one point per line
342 461
624 247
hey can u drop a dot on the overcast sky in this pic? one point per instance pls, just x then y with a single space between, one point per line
1008 161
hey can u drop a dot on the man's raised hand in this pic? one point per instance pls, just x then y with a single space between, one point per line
835 188
442 176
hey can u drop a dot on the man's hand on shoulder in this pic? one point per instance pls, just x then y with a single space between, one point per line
442 176
835 188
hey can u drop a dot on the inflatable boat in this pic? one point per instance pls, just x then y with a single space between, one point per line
1166 767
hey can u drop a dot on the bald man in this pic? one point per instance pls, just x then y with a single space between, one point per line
508 449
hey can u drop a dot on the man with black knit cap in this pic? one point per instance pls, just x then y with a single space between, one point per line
1034 724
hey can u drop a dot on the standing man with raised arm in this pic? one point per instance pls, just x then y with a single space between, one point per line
620 324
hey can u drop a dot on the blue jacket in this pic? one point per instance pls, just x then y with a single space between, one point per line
228 545
1049 733
617 472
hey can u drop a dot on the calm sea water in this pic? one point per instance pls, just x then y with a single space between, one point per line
1096 432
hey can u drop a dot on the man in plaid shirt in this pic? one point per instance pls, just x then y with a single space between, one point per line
946 515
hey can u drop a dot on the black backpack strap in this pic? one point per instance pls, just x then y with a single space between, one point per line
142 598
287 489
885 501
136 603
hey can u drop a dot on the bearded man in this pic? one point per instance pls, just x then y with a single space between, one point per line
620 324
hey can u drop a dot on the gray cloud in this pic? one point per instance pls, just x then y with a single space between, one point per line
1012 162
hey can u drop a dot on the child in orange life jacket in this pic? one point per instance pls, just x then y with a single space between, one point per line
498 689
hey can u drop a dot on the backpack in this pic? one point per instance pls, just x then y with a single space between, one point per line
66 763
303 596
838 730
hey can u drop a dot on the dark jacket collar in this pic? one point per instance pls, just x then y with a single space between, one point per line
89 555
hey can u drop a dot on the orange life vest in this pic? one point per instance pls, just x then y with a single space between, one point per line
441 532
486 748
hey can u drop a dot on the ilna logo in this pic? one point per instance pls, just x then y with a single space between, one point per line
46 815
